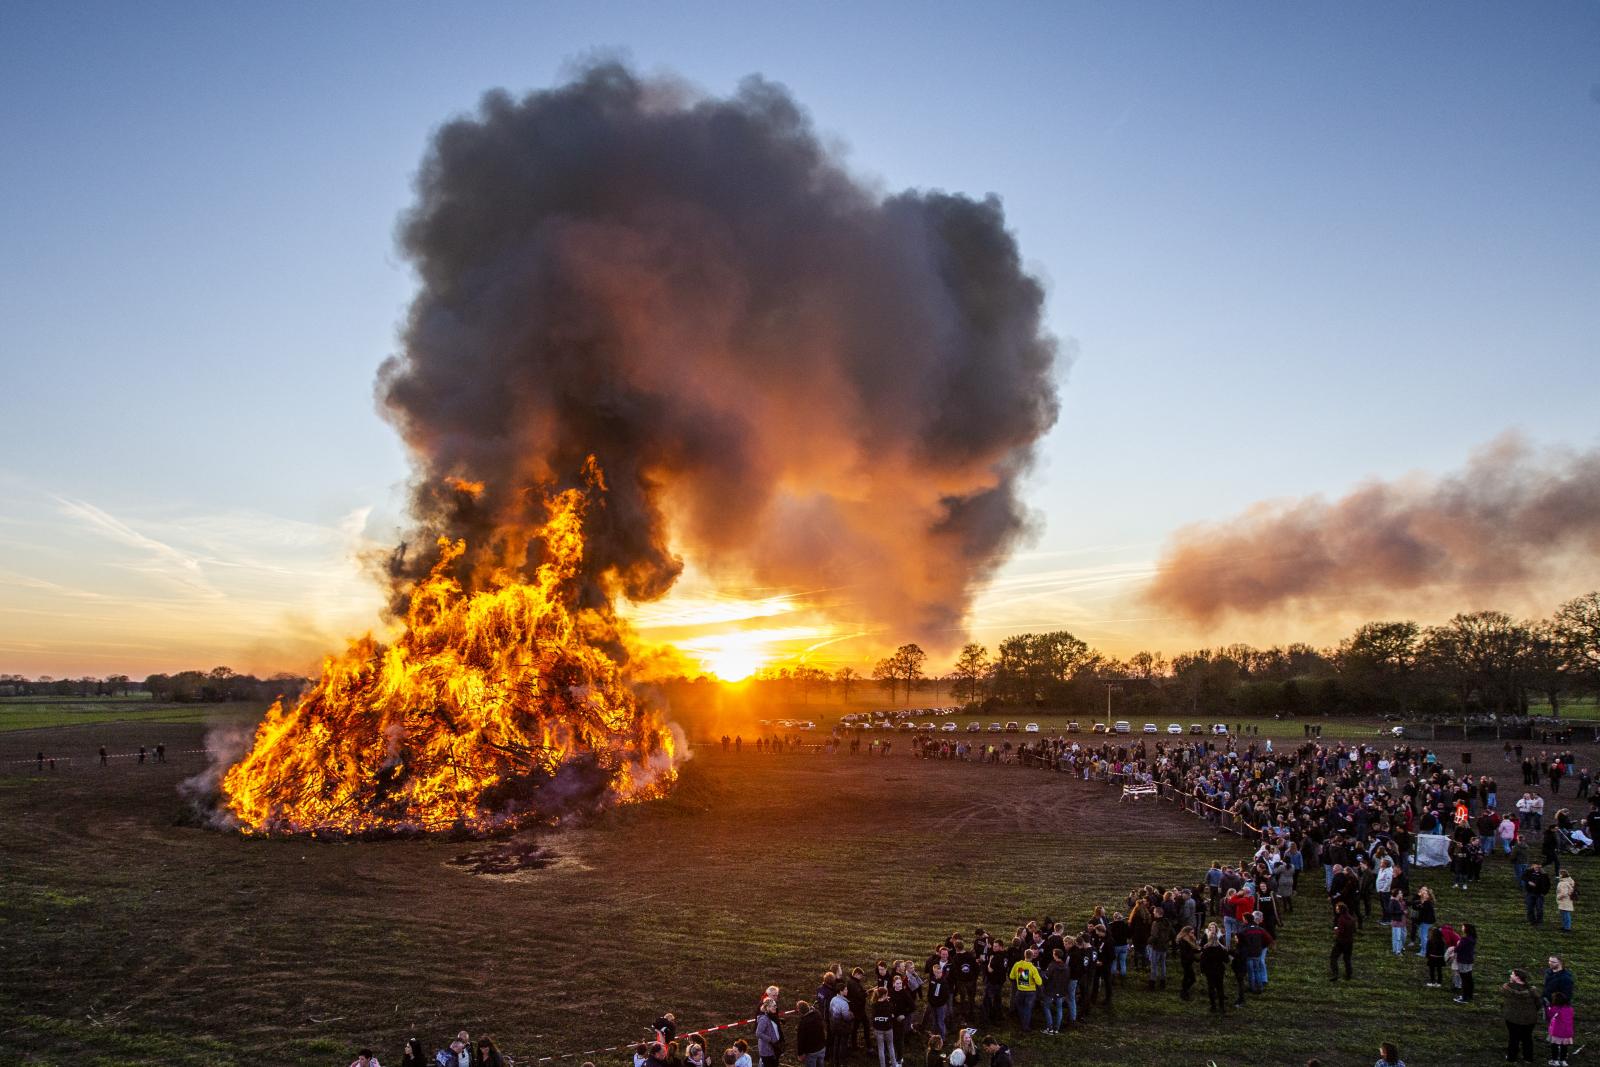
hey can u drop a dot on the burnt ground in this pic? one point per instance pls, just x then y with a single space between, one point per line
132 936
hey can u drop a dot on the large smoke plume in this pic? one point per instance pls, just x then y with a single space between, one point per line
785 374
1513 518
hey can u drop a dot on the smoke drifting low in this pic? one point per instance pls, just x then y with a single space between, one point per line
1512 516
783 373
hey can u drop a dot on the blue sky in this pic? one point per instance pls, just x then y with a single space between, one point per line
1293 247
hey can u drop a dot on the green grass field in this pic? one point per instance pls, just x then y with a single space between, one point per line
133 938
33 713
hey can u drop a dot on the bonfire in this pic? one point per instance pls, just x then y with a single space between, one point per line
494 707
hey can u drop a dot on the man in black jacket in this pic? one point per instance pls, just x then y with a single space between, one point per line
964 980
811 1035
999 1055
1535 886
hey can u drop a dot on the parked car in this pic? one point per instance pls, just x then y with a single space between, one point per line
1150 728
1013 728
1073 728
1196 728
1098 728
1031 728
909 726
1121 727
949 727
974 727
1175 728
994 728
927 726
1397 731
1219 728
805 725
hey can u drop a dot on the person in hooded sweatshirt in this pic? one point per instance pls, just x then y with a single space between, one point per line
881 1013
999 1055
811 1035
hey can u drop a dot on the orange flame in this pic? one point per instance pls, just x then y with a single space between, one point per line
492 708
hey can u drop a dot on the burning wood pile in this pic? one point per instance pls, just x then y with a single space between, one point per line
493 708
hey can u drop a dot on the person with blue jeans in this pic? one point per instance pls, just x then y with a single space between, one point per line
1398 917
1535 885
1056 986
1119 934
1253 944
1026 979
1427 915
1566 893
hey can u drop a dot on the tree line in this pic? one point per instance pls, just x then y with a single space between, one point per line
1477 662
216 686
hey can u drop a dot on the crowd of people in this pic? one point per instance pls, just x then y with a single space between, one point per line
1352 812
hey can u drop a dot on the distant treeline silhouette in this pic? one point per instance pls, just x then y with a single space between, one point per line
1476 663
215 686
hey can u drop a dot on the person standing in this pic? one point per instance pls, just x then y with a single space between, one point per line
811 1034
1344 942
1056 980
1214 966
1434 950
1188 956
1535 886
1566 894
1427 916
882 1017
841 1025
939 994
1558 1018
1026 980
1466 958
1558 979
1520 1007
769 1034
1399 916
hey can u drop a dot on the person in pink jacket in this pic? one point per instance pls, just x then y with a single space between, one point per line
1559 1017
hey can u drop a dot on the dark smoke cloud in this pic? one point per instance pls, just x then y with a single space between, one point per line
785 374
1512 516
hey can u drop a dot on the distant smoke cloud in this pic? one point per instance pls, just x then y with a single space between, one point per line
1513 515
784 373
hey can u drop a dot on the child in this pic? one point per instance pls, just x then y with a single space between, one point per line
1559 1017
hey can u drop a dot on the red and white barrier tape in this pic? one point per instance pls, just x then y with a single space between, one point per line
150 756
682 1033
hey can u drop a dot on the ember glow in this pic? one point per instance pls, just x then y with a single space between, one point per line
493 708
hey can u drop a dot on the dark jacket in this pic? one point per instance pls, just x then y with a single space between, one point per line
1344 930
811 1035
1520 1004
1536 882
1001 1057
1558 982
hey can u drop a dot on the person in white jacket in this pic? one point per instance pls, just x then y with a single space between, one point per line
1385 881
